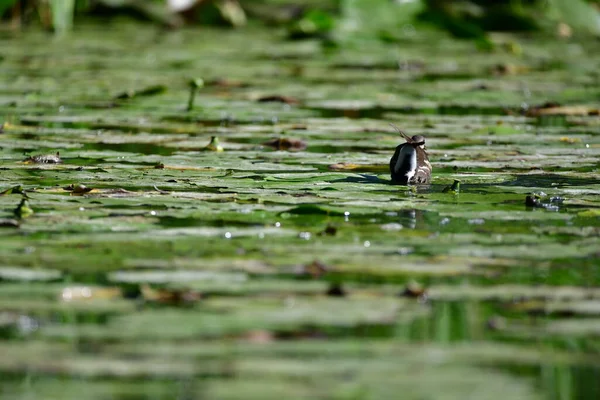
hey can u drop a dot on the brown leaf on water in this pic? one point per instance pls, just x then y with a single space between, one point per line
170 296
259 336
553 108
114 193
509 69
344 166
286 144
300 127
278 99
532 307
315 269
566 139
359 167
414 290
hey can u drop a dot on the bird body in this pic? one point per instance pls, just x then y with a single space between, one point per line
410 163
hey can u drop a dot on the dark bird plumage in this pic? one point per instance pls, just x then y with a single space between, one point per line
410 164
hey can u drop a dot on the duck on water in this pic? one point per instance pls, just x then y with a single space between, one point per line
410 163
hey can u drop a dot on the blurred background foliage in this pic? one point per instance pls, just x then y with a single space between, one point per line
332 20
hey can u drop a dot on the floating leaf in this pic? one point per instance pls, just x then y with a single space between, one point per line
28 274
595 212
352 167
13 190
170 296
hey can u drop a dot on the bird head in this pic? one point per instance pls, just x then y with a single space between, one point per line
415 141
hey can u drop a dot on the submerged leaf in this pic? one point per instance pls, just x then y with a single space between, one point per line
286 144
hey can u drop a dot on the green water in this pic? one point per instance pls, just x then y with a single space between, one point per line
263 273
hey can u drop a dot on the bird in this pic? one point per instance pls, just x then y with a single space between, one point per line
410 163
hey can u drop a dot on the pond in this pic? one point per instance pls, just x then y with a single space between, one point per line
149 265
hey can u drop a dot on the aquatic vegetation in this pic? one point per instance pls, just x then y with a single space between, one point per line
288 265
